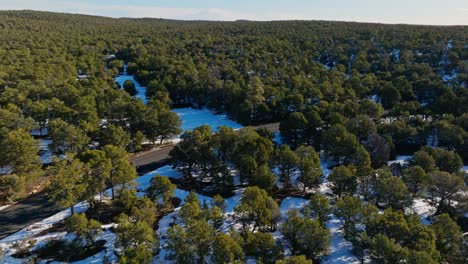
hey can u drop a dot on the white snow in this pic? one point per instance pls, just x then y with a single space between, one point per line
277 138
110 238
375 98
45 152
5 170
396 54
340 249
401 159
37 132
140 89
449 44
290 203
448 77
422 208
192 118
34 229
465 168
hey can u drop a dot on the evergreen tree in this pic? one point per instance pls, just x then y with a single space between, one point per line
257 209
449 239
226 249
129 87
122 172
320 208
305 236
67 186
161 189
293 129
343 180
294 260
66 137
262 247
19 152
287 162
309 167
415 178
444 188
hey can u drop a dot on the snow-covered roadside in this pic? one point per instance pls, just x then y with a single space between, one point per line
192 118
36 228
143 182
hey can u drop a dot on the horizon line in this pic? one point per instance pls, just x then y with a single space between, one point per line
238 20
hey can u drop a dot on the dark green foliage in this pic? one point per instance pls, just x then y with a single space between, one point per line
449 239
305 236
129 87
256 73
287 162
161 189
257 209
343 180
261 246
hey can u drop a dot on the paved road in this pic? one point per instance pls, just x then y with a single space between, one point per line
36 207
156 155
33 209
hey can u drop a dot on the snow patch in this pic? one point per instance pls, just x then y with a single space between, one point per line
340 249
400 159
141 91
193 118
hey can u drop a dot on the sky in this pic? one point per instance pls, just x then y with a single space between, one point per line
428 12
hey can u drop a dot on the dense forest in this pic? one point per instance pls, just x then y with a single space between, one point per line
349 98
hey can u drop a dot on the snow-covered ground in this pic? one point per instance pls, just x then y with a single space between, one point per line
396 53
140 89
450 76
375 98
37 132
400 159
277 138
340 249
290 203
45 152
422 208
192 118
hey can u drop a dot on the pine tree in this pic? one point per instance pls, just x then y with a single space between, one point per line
257 209
68 185
343 180
161 189
305 236
287 162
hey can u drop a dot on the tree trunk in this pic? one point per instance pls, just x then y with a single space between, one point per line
112 192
